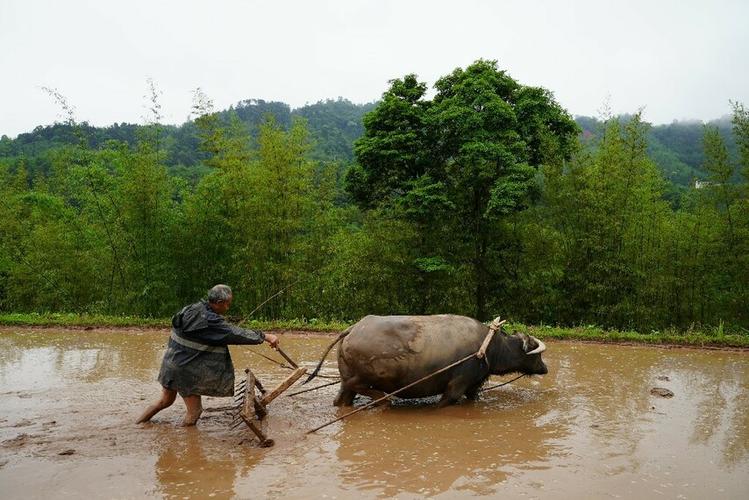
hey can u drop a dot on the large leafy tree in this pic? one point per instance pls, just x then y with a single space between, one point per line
459 166
493 135
394 149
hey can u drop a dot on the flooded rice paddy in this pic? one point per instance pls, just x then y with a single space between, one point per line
589 429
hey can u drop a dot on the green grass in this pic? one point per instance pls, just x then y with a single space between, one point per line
707 337
101 320
713 337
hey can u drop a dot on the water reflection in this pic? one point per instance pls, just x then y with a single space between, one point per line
29 359
594 400
603 393
190 464
721 414
427 451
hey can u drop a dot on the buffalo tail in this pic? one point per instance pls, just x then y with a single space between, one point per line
327 351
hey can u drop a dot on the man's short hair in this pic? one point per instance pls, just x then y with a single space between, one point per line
218 294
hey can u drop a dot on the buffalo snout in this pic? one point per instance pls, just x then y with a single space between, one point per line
538 367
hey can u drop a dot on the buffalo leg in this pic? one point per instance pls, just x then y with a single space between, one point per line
473 392
345 396
374 394
455 390
350 388
446 400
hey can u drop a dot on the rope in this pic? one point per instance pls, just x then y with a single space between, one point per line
282 365
500 385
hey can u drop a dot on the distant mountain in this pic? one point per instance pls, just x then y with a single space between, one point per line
334 126
676 148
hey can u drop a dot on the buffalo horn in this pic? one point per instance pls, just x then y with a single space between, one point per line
538 350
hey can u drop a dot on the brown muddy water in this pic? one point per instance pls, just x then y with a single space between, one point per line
589 429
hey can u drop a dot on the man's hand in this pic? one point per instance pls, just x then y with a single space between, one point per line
271 339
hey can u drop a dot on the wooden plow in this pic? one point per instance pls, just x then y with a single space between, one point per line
251 400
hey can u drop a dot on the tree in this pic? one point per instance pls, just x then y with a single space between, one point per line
394 148
740 123
608 210
467 158
720 170
727 206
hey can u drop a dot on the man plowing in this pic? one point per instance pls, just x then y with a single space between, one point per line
197 360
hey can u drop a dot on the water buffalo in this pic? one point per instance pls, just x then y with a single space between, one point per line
381 354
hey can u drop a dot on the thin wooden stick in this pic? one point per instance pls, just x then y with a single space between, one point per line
283 386
282 290
314 388
282 365
271 359
291 361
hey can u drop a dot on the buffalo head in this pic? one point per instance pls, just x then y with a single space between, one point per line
522 354
532 347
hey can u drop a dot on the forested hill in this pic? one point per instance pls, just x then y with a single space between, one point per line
676 148
333 124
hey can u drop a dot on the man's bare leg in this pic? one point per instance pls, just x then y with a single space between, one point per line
194 409
167 398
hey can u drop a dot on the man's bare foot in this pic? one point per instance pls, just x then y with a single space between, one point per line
191 420
194 406
165 401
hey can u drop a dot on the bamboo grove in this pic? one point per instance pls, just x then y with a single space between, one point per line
480 201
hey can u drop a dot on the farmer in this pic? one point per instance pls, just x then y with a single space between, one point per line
197 361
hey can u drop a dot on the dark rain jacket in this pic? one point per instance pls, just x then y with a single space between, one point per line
197 359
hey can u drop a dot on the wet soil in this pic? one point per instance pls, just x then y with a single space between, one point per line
589 429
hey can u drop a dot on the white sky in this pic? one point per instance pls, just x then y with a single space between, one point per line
677 59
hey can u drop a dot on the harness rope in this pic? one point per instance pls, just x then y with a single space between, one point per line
503 383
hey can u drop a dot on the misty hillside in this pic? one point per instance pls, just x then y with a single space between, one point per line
676 148
334 125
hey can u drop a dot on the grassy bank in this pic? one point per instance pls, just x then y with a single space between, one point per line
99 320
699 338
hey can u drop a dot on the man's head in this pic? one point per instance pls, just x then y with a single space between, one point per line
219 298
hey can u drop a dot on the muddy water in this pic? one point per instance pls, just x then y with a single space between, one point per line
589 429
